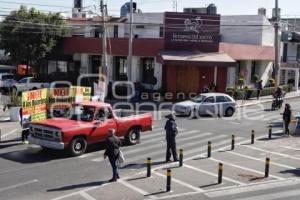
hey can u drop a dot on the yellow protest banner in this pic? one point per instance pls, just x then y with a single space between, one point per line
34 106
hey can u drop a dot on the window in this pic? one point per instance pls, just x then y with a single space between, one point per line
221 99
161 31
121 68
116 31
285 51
148 66
23 80
104 114
210 100
298 52
5 77
98 31
253 67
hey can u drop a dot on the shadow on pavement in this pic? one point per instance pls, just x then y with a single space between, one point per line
295 172
209 185
138 178
140 165
83 185
155 193
40 155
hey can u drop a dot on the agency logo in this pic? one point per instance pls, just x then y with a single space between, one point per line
193 25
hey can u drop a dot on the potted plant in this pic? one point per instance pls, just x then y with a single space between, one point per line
255 78
241 82
271 82
14 106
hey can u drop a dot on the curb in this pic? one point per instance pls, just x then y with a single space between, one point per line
266 101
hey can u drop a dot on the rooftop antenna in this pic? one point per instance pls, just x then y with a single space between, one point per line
175 5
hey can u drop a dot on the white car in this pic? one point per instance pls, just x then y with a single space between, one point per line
6 81
29 83
207 103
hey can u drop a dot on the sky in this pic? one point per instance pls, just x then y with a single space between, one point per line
289 8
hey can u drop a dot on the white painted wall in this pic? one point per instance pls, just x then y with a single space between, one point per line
253 29
147 20
231 76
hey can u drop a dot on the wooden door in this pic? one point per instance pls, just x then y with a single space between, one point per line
187 79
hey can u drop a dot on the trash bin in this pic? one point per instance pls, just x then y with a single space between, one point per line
294 125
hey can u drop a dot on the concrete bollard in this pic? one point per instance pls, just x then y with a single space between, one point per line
169 180
270 132
149 163
267 167
232 142
252 137
220 173
180 157
209 149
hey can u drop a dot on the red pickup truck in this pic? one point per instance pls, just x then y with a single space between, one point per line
87 123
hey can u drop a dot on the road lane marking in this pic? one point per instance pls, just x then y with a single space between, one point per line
271 196
160 152
9 133
180 182
178 140
18 185
164 166
86 196
271 152
213 174
245 168
260 160
290 148
138 190
251 188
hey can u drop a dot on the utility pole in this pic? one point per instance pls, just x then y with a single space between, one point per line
129 67
104 49
277 44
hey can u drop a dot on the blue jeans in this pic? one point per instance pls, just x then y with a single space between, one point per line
112 160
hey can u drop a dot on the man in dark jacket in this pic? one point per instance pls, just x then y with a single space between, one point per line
287 115
171 132
112 152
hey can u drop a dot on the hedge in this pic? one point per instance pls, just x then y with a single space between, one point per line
252 93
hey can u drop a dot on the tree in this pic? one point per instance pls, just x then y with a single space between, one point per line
29 35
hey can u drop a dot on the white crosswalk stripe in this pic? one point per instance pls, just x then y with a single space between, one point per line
159 150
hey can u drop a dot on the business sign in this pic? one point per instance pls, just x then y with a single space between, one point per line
34 106
61 98
192 32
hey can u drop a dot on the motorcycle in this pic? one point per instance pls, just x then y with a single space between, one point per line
277 102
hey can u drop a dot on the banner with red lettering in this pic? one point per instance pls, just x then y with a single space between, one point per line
34 106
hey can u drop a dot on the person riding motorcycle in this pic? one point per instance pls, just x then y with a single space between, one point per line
278 98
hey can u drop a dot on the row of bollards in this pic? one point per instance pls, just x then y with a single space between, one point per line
209 151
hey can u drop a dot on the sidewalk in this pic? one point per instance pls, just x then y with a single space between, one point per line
264 99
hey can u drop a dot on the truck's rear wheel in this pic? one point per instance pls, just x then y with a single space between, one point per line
78 146
133 136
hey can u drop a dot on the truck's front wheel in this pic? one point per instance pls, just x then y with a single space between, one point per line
78 146
133 136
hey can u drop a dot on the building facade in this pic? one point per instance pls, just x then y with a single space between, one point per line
176 52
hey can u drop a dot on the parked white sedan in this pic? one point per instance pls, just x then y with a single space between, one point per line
207 103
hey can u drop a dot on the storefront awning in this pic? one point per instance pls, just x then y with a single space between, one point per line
248 52
196 59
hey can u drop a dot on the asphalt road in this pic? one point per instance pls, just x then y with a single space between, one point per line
28 172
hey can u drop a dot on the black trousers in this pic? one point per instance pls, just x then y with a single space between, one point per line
258 94
286 127
171 148
25 134
112 160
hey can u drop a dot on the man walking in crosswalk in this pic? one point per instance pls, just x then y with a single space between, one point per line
171 132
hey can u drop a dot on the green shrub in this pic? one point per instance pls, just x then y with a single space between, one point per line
255 78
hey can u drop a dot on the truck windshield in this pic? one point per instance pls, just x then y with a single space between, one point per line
82 113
